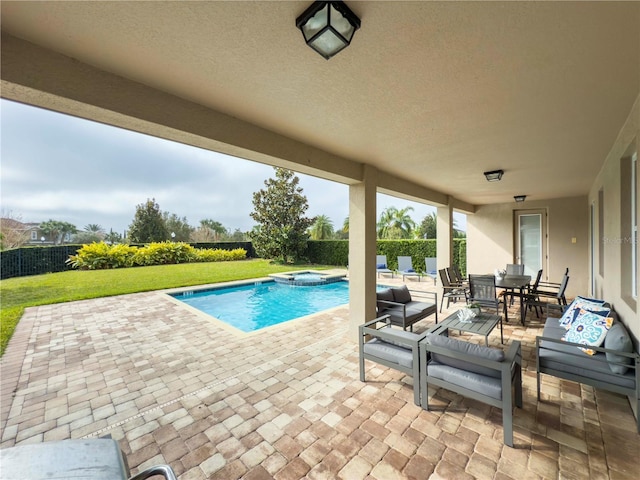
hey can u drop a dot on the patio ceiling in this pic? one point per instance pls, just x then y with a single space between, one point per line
431 92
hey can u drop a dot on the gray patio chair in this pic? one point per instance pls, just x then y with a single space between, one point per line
449 291
482 291
515 269
512 269
455 277
391 347
405 267
551 289
483 373
382 267
534 299
431 264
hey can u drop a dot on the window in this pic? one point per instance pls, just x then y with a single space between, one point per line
601 232
627 242
634 225
34 235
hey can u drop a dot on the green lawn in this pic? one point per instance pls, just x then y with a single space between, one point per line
16 294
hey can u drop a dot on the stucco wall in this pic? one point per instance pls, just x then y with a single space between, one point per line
609 285
491 241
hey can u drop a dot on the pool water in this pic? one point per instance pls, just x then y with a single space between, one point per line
255 306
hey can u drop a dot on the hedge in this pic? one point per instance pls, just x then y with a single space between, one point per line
336 252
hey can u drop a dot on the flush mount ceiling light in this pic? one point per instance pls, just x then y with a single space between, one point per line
519 198
494 175
328 27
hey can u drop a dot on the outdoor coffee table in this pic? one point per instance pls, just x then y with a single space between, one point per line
482 324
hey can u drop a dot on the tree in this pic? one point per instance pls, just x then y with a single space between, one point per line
322 228
396 223
427 228
148 224
281 233
91 233
209 231
113 237
178 226
13 233
57 230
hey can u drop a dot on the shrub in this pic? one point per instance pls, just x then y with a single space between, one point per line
219 255
165 253
97 256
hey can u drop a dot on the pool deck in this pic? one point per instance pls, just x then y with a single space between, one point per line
173 387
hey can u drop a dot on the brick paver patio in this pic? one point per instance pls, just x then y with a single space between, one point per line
287 403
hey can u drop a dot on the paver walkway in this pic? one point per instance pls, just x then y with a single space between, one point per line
286 403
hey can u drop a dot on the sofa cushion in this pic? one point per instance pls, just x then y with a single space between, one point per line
589 304
389 352
588 328
401 294
467 348
560 357
489 386
618 339
386 295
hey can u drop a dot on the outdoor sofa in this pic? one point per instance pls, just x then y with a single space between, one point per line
614 365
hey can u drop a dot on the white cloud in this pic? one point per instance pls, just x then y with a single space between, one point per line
69 169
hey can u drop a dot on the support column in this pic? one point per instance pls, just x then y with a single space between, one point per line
362 251
444 244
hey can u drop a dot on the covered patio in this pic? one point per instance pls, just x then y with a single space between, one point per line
428 96
173 387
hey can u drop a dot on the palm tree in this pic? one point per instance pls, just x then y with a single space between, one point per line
322 228
396 223
94 228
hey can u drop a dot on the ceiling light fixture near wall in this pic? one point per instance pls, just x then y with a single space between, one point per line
519 198
493 175
328 27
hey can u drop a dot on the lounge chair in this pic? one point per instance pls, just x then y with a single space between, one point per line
382 266
405 267
431 264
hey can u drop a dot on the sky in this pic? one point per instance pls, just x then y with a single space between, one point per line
59 167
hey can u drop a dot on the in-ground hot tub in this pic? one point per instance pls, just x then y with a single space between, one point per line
307 278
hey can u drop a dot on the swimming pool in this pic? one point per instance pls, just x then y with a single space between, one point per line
252 306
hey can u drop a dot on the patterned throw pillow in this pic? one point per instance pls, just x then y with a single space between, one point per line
590 304
588 328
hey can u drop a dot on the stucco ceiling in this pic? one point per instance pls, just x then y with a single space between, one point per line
432 92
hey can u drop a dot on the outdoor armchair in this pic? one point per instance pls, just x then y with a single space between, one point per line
391 347
483 373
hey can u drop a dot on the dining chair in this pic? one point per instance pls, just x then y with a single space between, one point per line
460 280
535 299
482 291
450 291
515 269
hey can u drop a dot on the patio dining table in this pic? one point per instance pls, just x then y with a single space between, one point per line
515 282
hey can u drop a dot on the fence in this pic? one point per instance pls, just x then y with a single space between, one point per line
21 262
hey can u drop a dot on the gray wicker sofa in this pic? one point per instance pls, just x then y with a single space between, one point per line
614 367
